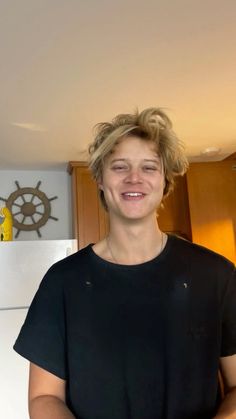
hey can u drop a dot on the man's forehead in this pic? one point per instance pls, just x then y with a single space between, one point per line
125 141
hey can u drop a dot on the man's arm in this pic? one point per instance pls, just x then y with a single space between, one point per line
227 408
47 395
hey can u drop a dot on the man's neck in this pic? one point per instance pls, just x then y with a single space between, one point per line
135 242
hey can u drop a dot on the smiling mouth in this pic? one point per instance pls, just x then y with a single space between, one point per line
133 195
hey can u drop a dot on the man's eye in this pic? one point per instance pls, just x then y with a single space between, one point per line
150 168
119 168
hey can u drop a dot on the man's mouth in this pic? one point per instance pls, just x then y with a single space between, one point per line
133 195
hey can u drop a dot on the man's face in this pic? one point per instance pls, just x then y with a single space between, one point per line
132 179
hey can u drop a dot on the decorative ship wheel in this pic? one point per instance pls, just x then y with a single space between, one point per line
30 208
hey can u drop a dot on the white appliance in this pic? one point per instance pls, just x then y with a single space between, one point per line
22 267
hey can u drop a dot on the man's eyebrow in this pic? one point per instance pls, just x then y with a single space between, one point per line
121 159
157 160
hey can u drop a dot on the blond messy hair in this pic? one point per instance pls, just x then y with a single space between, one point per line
151 124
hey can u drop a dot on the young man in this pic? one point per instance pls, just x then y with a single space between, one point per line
137 325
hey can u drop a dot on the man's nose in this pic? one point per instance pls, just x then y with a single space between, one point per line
134 176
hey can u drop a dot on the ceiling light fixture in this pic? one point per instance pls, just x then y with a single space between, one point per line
29 126
211 151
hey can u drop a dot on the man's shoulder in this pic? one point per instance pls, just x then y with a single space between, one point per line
199 254
71 267
81 257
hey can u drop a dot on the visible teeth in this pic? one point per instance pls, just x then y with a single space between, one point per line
133 194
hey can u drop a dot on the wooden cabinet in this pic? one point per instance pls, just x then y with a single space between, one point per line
174 214
202 207
212 204
89 218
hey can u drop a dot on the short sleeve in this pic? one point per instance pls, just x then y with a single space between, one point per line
228 346
42 336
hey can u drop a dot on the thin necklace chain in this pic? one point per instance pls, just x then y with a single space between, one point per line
112 254
110 250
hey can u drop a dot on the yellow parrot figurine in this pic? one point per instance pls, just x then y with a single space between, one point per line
5 224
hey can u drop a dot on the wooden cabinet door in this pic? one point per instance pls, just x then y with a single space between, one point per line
174 214
212 202
90 219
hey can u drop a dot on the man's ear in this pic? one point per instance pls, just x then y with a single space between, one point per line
165 187
100 184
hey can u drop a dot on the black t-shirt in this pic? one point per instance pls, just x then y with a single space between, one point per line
135 342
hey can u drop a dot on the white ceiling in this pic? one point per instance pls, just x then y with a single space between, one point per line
68 64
